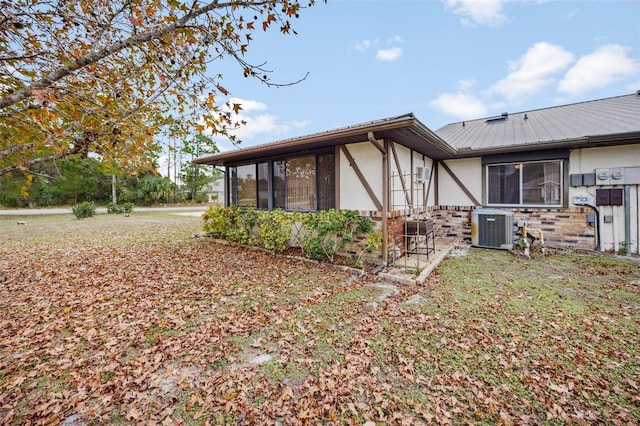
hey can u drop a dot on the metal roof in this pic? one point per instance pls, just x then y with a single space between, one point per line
600 122
405 129
610 121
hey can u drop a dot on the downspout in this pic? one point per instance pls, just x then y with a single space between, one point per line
385 197
627 219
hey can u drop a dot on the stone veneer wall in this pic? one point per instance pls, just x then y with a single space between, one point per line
560 227
453 222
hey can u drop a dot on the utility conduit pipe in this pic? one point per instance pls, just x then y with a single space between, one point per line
614 224
525 232
627 219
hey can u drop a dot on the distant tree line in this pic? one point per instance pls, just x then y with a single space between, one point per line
85 179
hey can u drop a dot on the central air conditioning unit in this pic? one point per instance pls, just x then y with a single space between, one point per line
492 228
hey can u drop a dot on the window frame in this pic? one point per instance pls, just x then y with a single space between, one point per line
520 166
232 176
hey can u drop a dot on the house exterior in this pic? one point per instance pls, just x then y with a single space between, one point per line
571 171
215 191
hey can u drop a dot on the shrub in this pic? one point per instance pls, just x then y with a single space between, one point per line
201 197
275 229
332 231
217 221
323 234
119 208
84 210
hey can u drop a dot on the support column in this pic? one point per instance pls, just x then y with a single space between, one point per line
384 149
385 203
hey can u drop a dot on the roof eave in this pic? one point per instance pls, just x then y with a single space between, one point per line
329 139
574 143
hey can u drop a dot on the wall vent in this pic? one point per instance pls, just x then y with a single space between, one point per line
492 228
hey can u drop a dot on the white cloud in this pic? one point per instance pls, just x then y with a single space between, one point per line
260 126
363 45
248 105
633 86
389 54
482 12
534 71
462 104
300 124
386 50
598 69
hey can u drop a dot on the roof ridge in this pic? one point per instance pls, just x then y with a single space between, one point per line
636 93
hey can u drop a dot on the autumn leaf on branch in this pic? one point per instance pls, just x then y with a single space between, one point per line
87 67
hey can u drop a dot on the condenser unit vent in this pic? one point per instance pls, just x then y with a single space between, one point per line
492 228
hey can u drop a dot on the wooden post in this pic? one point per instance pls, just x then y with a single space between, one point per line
385 203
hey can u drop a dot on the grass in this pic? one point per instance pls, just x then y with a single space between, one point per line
127 320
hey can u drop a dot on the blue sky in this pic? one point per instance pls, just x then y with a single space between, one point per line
445 61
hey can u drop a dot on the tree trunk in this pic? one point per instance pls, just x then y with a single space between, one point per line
114 195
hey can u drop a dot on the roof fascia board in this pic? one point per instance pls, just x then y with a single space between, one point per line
332 138
346 132
435 140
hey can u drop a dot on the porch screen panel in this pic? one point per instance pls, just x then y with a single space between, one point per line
279 184
263 185
301 183
247 185
504 184
326 181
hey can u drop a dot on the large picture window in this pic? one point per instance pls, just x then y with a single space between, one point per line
536 183
298 183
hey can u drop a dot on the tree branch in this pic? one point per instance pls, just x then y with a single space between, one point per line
32 162
12 112
18 58
135 40
15 148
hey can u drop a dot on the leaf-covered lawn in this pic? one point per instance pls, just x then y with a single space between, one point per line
133 320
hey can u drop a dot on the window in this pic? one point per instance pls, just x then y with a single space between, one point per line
263 185
536 183
279 184
326 174
301 183
246 185
298 183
